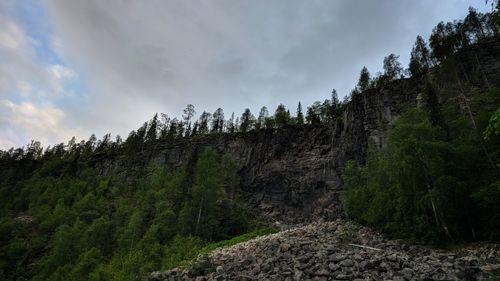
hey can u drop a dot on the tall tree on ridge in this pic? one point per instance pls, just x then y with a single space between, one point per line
281 116
392 67
230 126
263 114
203 122
246 120
420 57
364 80
218 121
152 130
300 115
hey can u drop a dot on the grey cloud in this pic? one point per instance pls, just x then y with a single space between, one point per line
139 57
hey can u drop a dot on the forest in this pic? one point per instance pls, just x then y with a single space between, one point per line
436 180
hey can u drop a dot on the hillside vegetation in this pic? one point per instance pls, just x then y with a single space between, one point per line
72 224
436 179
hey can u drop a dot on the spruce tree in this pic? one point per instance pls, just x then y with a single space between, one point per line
300 115
364 79
392 67
281 116
420 57
247 120
263 114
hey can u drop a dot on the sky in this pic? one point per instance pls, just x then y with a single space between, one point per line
75 68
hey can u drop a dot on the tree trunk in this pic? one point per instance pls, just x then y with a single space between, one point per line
199 217
473 122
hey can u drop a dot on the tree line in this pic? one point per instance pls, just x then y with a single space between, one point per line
445 40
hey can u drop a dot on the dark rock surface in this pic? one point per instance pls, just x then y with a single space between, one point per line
337 250
293 174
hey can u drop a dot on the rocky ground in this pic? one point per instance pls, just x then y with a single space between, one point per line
338 251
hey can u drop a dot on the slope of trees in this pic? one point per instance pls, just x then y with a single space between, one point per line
436 179
433 180
75 225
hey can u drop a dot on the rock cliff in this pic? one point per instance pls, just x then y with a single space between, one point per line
292 174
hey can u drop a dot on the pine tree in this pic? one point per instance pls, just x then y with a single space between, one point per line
420 57
263 114
218 121
204 122
189 112
364 79
247 120
473 24
172 129
313 113
392 67
496 19
281 116
441 41
230 126
153 129
300 115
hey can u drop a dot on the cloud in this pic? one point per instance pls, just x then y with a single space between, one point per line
22 71
135 58
21 121
161 55
29 89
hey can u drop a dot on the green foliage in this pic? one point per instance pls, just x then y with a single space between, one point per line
493 129
247 121
496 18
364 80
300 115
324 113
432 181
90 227
420 58
282 116
238 239
392 67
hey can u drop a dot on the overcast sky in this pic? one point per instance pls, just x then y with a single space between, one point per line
73 68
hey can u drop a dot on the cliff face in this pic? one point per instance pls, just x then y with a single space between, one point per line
292 174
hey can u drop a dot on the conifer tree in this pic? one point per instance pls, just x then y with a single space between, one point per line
313 113
263 114
152 130
281 116
364 79
189 112
300 115
204 122
218 121
392 67
420 57
496 18
230 126
247 120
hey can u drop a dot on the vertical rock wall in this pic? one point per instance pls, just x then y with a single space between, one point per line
293 174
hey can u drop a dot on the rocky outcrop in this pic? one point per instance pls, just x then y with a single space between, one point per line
292 174
337 250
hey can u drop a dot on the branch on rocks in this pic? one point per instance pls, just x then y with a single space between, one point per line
365 247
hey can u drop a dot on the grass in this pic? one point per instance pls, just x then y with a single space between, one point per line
238 239
195 263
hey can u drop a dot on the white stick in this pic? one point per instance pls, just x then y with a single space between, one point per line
361 246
